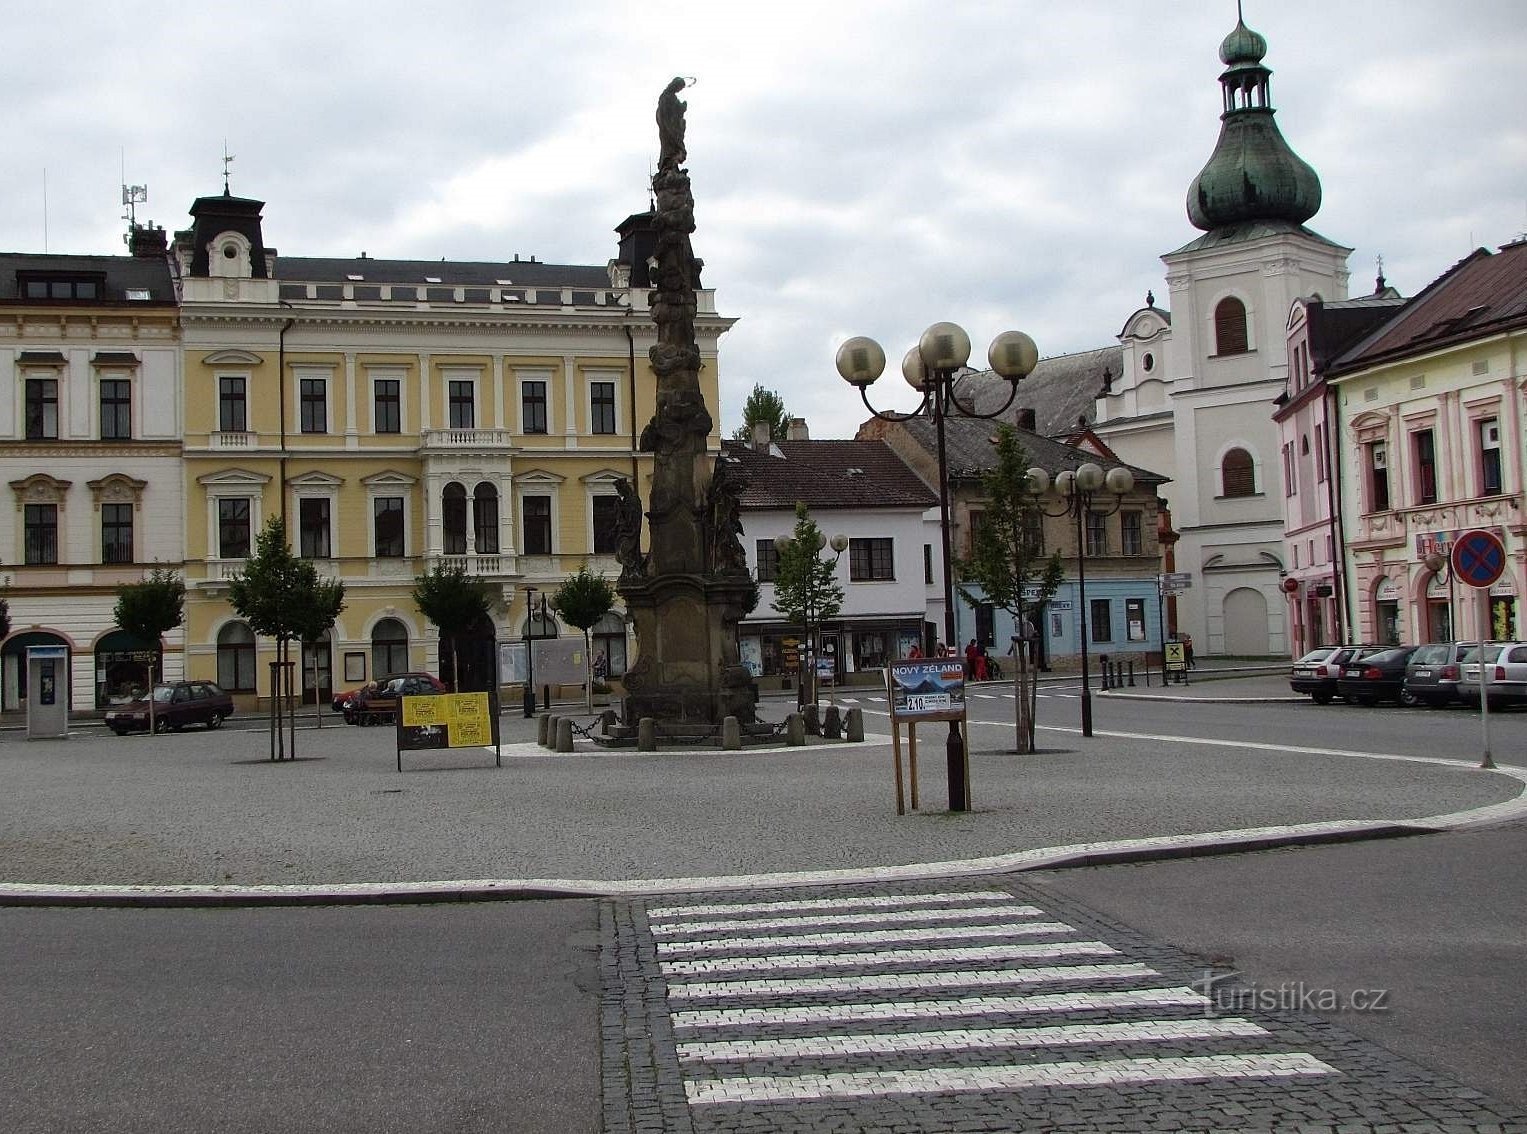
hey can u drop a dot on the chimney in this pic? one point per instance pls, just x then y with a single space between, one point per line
796 430
1026 418
760 436
147 242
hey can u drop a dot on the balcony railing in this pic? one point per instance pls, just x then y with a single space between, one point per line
466 439
232 440
479 566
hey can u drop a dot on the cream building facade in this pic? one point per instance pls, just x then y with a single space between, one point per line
402 414
90 445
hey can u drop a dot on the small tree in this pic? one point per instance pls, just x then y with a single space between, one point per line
766 406
5 618
281 597
1006 561
583 599
455 602
147 610
806 587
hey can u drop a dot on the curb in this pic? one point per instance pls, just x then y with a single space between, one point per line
1156 849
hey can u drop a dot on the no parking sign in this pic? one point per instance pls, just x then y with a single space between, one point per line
1478 558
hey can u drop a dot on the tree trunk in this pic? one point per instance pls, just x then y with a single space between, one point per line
1023 705
588 675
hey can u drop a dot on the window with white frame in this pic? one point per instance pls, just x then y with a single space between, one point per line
232 403
313 532
606 517
1490 482
116 409
386 404
1131 532
601 406
453 518
233 527
485 517
42 409
116 533
1377 462
313 405
461 403
387 527
40 530
535 524
534 410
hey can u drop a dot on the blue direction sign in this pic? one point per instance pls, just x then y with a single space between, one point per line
1478 558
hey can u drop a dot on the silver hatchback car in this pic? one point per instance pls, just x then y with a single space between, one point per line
1433 672
1505 675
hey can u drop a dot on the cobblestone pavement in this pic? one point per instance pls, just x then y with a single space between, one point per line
974 1005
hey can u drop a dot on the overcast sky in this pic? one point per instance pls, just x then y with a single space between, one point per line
857 168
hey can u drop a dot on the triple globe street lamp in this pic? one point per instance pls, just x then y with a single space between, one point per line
1077 492
932 368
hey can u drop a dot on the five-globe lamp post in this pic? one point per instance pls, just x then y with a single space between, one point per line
811 610
932 368
1077 490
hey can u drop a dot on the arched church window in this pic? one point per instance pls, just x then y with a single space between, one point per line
1238 474
1230 326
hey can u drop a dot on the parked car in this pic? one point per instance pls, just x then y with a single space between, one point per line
1317 672
378 704
1377 676
1505 675
176 704
341 699
1433 672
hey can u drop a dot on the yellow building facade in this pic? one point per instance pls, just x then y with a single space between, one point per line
402 414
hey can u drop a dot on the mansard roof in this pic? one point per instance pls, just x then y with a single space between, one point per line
445 273
119 275
1061 391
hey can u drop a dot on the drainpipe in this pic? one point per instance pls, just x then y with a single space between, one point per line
281 397
1333 498
631 387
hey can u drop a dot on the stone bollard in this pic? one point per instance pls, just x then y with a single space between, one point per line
541 731
832 723
551 730
812 721
564 734
795 730
646 734
731 733
853 725
606 720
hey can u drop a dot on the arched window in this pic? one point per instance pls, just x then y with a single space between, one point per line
1230 327
609 635
453 515
540 624
1238 474
389 648
236 658
485 518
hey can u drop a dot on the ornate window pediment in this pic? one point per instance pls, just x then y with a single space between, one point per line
232 358
233 478
40 488
117 488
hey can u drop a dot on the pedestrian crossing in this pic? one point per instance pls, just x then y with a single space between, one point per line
838 998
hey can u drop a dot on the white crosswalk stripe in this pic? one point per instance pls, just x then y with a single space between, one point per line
843 997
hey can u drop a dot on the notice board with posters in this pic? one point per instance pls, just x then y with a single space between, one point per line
924 689
447 720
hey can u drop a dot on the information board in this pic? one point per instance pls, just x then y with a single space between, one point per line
445 720
927 689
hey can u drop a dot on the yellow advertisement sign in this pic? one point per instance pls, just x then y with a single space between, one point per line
447 720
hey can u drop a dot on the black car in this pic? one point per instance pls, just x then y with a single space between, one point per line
1317 672
1377 677
176 704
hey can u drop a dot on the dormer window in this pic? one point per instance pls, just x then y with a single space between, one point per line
54 286
230 256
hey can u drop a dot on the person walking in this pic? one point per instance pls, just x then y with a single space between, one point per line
1187 651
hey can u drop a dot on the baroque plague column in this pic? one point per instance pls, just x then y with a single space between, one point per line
687 594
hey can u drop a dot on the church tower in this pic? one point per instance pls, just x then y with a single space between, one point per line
1195 398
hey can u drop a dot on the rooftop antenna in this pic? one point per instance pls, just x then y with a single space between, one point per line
44 209
132 197
227 162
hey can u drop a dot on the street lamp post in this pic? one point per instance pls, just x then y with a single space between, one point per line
1077 490
932 368
530 669
811 610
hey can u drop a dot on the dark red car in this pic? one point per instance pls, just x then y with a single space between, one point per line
176 704
342 699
